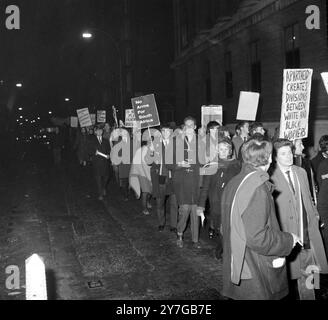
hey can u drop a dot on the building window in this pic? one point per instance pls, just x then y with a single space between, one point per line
228 75
255 67
292 50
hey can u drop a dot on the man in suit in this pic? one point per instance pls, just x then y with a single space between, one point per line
161 178
297 214
186 181
100 152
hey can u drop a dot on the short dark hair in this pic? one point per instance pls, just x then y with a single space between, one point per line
323 143
279 143
254 126
257 153
165 126
257 136
212 124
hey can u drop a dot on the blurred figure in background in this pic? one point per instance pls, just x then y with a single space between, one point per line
81 146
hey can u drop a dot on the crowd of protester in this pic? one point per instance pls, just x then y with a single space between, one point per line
264 200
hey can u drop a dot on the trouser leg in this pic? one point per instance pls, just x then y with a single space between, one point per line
184 211
194 219
160 205
99 184
173 210
144 200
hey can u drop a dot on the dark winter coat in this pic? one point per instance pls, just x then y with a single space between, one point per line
264 243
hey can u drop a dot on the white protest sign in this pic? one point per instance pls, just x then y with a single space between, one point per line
247 107
74 122
324 76
295 103
129 118
101 116
93 118
84 117
211 113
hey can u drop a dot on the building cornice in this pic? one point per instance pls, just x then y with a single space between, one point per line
225 29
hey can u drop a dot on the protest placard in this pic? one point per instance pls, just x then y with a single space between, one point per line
101 116
145 110
324 76
129 118
211 113
93 118
84 117
74 122
247 107
295 103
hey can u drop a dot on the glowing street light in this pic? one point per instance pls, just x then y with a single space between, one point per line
38 118
50 112
20 109
67 99
19 85
21 117
87 35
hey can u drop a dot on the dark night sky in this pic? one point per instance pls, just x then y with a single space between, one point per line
48 55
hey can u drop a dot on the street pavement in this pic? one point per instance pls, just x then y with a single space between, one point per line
95 250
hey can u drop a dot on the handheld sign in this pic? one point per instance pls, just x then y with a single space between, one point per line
295 103
74 122
145 111
324 76
101 116
247 107
84 117
129 118
211 113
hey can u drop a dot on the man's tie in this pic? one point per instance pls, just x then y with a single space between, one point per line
290 182
99 138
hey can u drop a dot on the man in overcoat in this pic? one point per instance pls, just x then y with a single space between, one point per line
297 214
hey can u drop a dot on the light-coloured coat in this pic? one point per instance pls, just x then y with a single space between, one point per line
289 215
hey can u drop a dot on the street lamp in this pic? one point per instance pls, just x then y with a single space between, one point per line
67 99
89 35
19 85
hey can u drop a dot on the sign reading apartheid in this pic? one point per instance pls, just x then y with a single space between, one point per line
145 111
101 116
84 117
295 103
129 118
211 113
74 122
324 76
248 104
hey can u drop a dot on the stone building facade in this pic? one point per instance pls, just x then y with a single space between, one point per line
224 47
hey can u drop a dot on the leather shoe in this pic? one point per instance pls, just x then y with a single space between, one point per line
160 228
173 230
